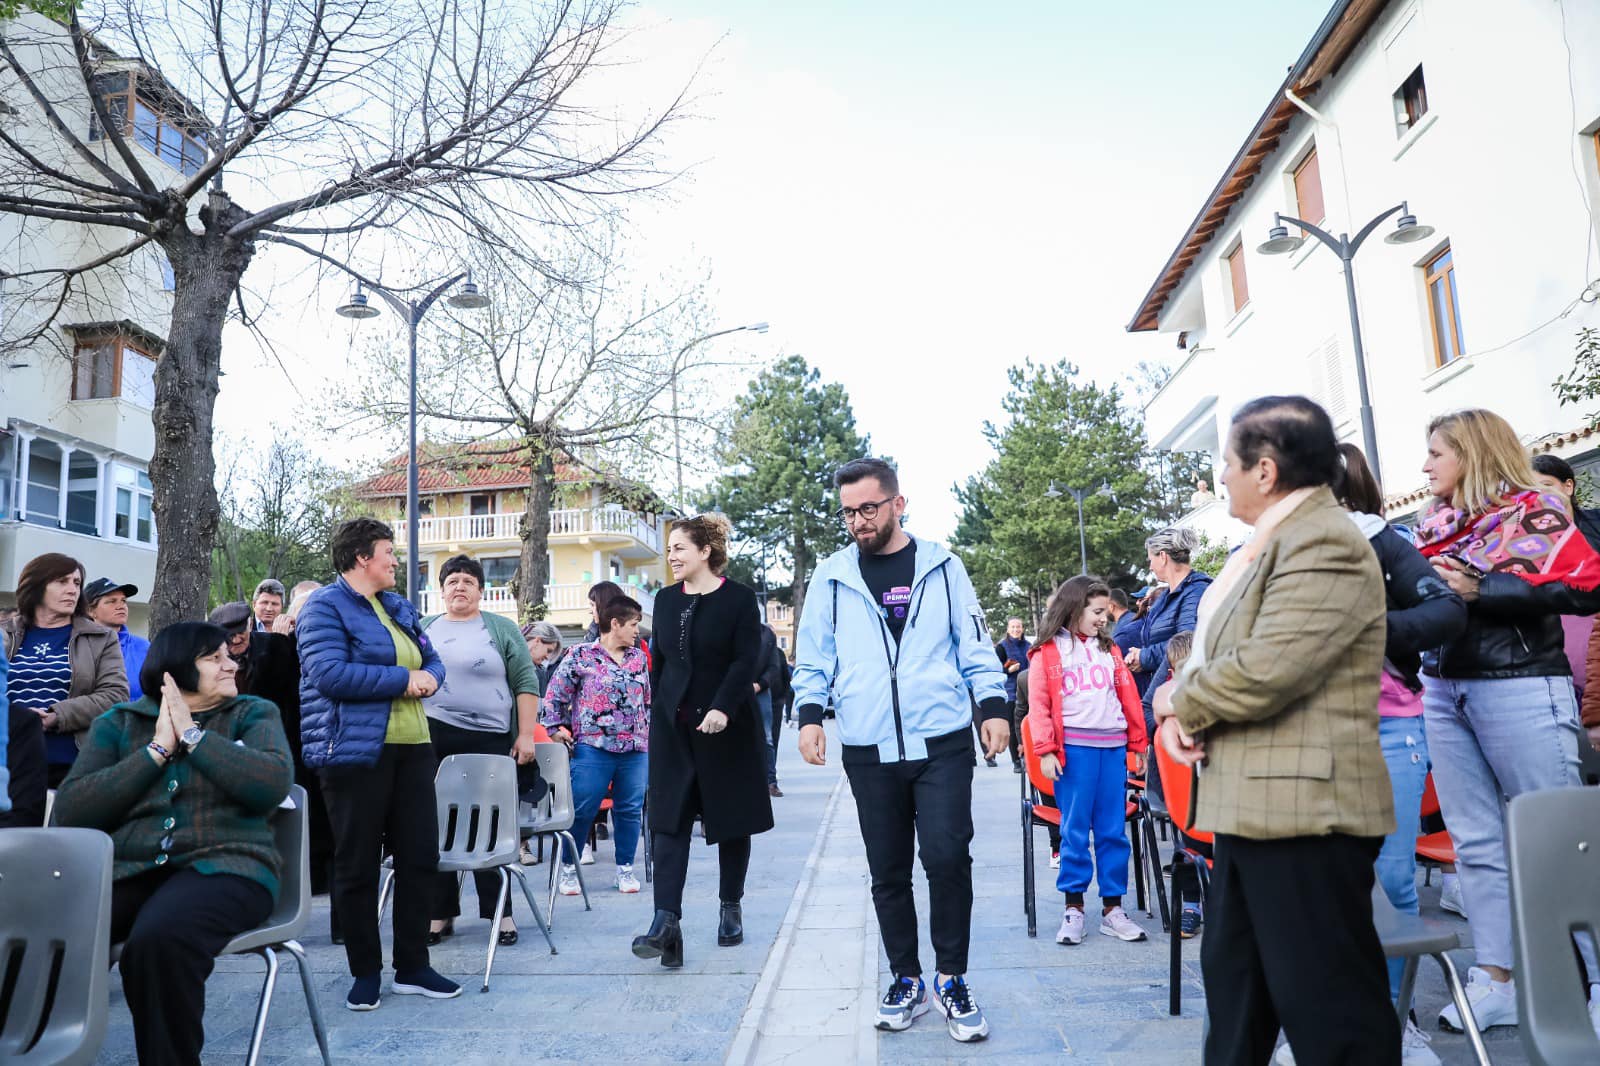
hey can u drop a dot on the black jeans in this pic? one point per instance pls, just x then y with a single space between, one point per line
1015 719
777 729
372 807
1290 939
672 869
171 925
453 740
25 759
920 801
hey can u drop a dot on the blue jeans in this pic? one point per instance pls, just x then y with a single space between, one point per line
594 770
764 703
1092 793
1405 752
1494 738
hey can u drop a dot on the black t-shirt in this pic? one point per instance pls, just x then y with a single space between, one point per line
889 577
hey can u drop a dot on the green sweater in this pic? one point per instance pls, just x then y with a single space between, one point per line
206 810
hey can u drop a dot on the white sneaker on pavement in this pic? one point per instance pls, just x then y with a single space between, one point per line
1493 1003
526 856
568 885
1450 899
626 882
1055 860
1071 931
1117 923
1414 1049
587 858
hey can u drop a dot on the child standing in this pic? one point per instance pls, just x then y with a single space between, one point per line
1084 715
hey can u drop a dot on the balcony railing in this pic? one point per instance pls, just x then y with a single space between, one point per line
571 597
610 520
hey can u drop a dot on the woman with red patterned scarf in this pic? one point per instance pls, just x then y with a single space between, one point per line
1498 702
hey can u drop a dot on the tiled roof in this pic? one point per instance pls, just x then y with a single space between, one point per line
457 468
1332 44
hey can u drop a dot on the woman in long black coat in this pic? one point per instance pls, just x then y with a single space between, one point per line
707 754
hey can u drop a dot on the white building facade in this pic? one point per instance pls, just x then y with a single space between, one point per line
76 434
1484 117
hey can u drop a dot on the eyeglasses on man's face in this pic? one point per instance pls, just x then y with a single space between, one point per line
866 512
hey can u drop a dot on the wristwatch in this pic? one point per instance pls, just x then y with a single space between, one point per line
191 737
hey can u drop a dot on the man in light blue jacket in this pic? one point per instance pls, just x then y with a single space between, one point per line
894 635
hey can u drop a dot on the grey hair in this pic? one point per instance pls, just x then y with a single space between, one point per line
272 586
1177 542
545 631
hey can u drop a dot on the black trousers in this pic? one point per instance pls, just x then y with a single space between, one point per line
671 856
391 806
453 740
171 926
1015 718
903 804
1290 941
25 760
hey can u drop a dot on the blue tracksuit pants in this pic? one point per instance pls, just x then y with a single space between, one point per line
1092 793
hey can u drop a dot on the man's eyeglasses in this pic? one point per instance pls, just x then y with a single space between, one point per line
867 511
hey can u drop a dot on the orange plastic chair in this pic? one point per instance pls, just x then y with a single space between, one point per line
1177 784
1434 849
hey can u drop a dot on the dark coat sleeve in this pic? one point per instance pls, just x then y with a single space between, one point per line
1508 596
29 775
745 632
771 674
1424 613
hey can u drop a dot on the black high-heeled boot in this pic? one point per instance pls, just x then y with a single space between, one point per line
664 941
730 928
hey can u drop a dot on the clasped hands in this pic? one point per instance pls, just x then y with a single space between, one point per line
422 684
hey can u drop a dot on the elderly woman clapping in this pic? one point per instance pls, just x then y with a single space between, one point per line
184 780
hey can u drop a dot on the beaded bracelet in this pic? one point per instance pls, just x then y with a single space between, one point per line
159 750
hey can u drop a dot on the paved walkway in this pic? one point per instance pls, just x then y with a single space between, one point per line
801 989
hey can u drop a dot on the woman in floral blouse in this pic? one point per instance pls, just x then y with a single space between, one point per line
598 703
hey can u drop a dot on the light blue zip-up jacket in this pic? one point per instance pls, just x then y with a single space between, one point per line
895 697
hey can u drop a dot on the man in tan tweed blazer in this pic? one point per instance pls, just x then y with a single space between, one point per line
1280 701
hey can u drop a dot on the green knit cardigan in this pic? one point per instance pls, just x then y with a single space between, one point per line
206 810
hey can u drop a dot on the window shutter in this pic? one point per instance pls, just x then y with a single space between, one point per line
1329 376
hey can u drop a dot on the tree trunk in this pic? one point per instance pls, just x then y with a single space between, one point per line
802 575
207 268
533 572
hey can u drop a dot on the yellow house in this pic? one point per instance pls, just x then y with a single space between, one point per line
781 618
476 508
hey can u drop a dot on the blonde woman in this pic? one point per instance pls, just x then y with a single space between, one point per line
1498 701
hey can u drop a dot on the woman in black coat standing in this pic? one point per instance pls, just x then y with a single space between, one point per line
707 753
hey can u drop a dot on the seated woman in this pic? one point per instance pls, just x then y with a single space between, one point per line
184 780
599 703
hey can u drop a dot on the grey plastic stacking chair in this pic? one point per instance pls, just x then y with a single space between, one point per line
1409 937
1553 851
554 815
55 935
477 803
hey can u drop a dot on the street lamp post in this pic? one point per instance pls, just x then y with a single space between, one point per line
677 437
1055 493
412 310
1406 231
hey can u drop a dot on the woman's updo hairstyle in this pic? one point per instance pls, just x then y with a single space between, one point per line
1178 543
708 530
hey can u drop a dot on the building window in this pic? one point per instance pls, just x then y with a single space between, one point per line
1237 285
480 503
42 482
112 365
500 571
132 511
1444 307
164 136
1410 102
1308 189
83 493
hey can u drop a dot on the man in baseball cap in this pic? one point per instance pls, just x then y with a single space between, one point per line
107 603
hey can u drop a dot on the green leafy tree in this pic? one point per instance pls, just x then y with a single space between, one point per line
61 10
1019 543
1581 384
788 435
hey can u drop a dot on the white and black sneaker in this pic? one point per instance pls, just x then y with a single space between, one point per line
962 1016
906 1000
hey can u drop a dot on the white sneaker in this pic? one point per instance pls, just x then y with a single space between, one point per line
1493 1003
1414 1049
526 856
626 882
1117 923
1594 1008
1071 931
587 858
568 885
1450 899
1284 1056
1055 860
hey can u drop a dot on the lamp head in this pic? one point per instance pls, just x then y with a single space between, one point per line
468 298
757 327
1052 492
1406 230
358 307
1278 241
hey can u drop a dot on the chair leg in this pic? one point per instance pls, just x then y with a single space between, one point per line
259 1031
555 866
494 927
1140 900
1029 904
317 1028
1458 994
583 888
383 894
1408 982
527 893
1175 961
1153 857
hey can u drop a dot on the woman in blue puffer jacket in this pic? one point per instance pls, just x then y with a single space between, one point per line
1174 611
365 666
